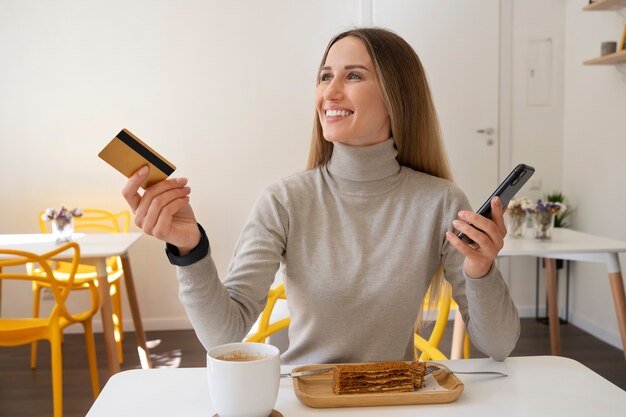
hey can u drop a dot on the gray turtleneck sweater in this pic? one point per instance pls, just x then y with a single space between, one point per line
360 239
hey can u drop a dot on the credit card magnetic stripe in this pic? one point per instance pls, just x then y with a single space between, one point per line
144 152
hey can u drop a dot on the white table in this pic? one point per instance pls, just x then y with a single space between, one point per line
536 386
570 245
95 248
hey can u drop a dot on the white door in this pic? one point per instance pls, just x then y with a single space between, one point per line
458 44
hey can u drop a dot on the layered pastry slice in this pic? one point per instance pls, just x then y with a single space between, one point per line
378 377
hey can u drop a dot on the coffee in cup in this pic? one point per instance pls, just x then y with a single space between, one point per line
243 379
239 356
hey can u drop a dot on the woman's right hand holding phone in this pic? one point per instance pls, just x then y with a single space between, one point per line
163 210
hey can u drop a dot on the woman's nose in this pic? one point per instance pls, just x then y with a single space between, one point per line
334 90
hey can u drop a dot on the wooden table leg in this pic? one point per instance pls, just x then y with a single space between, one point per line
106 311
617 288
553 309
142 349
458 336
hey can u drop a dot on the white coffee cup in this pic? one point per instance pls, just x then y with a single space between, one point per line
243 379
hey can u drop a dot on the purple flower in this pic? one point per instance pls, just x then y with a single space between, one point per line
549 207
62 216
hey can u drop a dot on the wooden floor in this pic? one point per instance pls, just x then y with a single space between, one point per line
24 392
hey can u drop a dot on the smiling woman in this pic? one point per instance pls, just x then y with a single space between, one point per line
362 233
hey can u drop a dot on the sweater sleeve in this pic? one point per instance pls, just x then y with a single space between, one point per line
485 303
225 312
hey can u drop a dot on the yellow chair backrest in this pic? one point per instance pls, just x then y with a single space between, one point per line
95 220
428 349
60 289
266 329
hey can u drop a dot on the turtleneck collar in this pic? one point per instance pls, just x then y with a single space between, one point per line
364 163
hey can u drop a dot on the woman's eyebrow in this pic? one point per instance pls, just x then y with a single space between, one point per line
356 66
348 67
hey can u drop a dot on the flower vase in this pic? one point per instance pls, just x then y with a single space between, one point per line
544 223
62 229
516 224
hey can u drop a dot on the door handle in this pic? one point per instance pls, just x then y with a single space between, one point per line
487 131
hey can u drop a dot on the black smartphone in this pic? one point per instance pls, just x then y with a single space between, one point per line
506 191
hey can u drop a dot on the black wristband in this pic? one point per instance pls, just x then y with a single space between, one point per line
197 253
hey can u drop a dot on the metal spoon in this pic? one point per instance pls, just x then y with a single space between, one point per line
304 373
432 368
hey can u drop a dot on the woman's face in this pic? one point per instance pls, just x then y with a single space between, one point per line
348 98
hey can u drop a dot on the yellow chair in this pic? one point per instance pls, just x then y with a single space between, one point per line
428 349
266 329
100 221
20 331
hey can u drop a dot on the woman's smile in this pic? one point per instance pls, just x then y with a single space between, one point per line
336 115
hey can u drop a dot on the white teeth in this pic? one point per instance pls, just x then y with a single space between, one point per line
338 113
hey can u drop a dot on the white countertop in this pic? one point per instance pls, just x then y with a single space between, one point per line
536 386
92 245
563 241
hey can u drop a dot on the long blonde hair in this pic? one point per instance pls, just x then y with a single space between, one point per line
413 118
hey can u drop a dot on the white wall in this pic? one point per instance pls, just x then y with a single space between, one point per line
536 130
594 150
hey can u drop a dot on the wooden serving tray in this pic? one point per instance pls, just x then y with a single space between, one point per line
317 391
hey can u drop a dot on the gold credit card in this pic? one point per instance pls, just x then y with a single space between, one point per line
127 153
